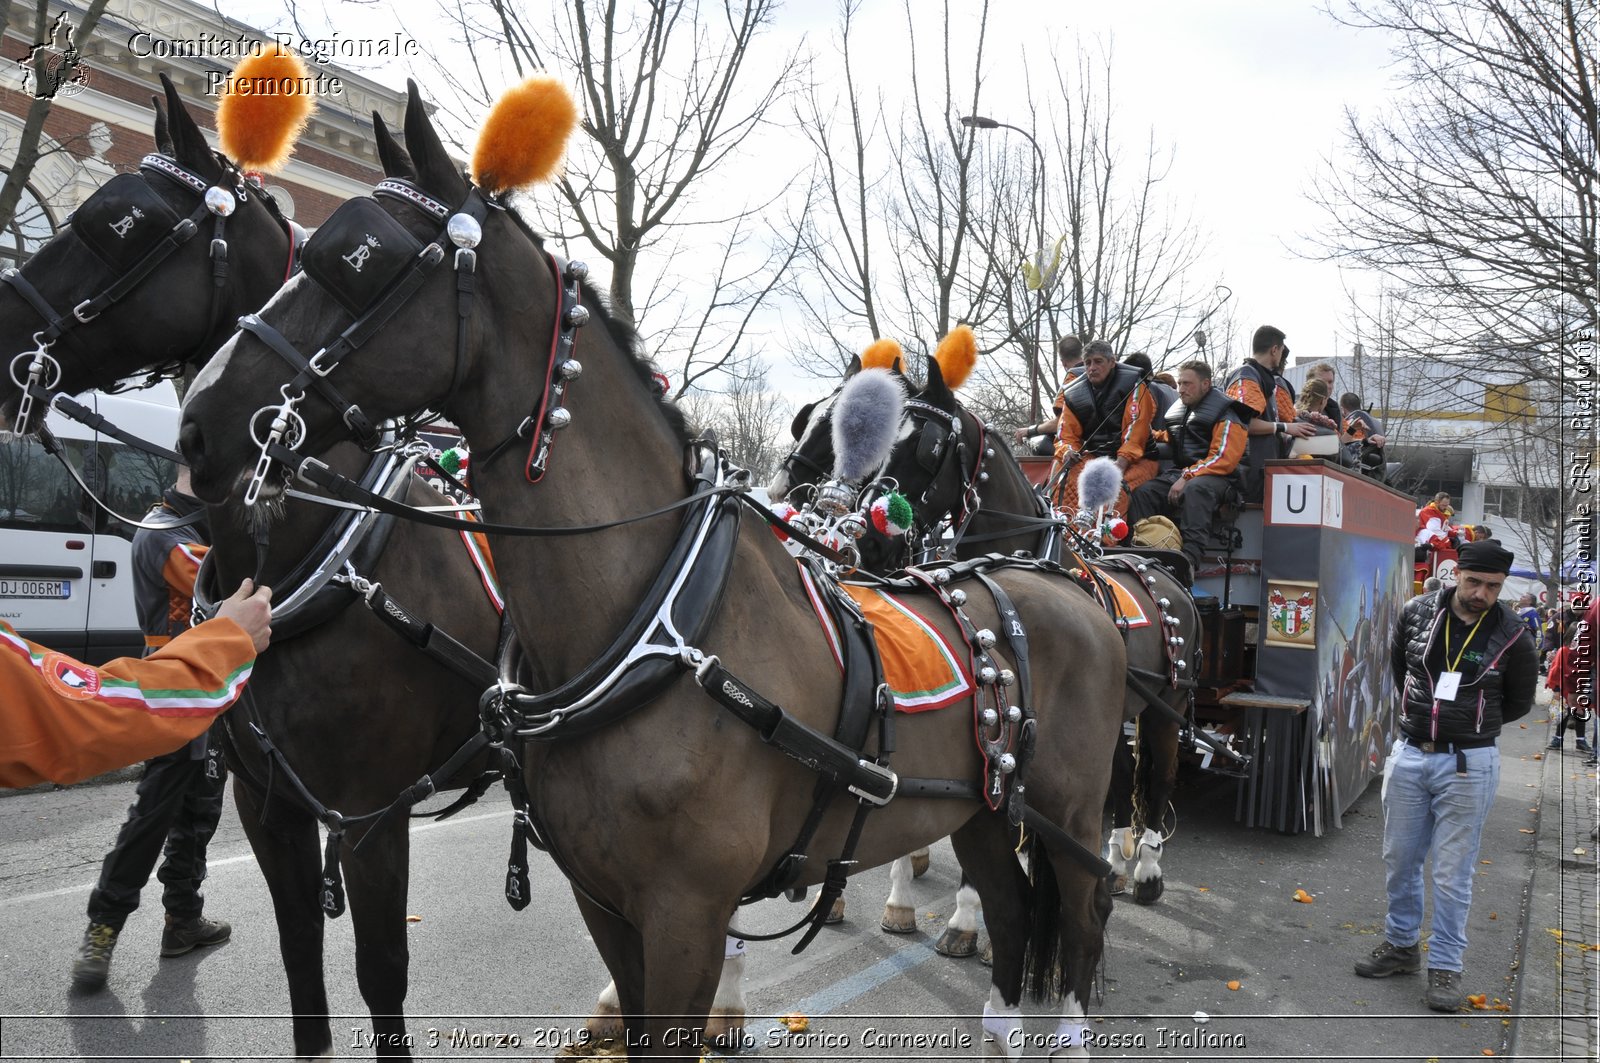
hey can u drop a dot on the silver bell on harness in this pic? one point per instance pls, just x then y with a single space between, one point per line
835 498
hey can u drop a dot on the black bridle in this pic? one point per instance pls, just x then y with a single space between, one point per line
463 230
42 373
942 444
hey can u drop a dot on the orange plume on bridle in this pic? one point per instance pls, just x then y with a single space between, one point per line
524 136
881 354
267 104
957 354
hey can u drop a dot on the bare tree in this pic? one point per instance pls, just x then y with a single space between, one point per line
1475 193
747 417
932 216
53 65
670 93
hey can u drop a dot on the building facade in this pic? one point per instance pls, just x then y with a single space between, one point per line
104 125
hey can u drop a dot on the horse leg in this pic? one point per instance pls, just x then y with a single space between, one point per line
984 848
899 914
377 880
1082 903
725 1025
1159 775
287 853
960 937
618 944
682 961
1121 848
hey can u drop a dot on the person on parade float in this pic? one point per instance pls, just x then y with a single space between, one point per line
1070 353
1106 413
1206 433
1258 385
1466 666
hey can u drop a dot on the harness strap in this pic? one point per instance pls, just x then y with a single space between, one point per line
835 762
318 474
433 641
352 414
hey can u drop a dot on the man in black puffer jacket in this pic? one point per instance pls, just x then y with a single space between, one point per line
1466 665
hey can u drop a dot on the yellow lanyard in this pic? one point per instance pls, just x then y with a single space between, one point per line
1455 666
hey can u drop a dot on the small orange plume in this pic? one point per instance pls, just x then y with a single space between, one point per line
524 136
881 354
957 354
266 105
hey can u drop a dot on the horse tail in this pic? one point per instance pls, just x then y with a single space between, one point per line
1044 954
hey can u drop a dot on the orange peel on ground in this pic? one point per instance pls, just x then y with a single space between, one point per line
1303 897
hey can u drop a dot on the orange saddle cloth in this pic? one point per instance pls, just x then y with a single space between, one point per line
1124 607
920 666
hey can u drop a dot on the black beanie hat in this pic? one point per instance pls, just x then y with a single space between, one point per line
1486 555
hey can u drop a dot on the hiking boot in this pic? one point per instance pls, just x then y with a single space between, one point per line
1389 959
1444 990
89 970
1555 743
186 935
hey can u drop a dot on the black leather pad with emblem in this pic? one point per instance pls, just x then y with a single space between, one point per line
123 220
358 252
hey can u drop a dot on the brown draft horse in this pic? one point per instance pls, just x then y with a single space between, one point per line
169 318
1005 509
669 814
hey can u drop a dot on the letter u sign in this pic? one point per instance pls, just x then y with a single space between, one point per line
1296 499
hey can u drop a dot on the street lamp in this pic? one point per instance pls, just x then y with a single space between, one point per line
978 121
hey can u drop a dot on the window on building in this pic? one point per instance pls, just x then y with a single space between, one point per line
1502 502
27 230
1507 402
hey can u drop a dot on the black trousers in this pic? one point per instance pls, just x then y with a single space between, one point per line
1195 512
173 816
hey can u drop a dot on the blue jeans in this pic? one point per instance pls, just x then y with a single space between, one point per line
1430 810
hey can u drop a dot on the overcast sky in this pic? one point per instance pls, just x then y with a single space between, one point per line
1248 94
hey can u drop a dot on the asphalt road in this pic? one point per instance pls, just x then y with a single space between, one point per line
482 969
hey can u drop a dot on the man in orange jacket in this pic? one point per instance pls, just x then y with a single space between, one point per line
65 721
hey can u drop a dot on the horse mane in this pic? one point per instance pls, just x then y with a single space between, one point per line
626 338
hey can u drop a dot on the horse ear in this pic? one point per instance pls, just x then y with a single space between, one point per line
435 170
396 163
163 134
854 367
935 391
801 419
189 145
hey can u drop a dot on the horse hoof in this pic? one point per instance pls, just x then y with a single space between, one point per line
1149 891
986 957
836 913
897 920
919 863
1119 885
725 1030
604 1025
957 944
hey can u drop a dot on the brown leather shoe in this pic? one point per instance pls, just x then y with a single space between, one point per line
186 935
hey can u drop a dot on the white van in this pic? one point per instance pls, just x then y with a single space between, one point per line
65 576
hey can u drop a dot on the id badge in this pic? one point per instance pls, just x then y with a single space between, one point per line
1446 686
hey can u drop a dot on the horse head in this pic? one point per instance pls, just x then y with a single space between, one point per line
394 312
933 466
812 458
155 266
